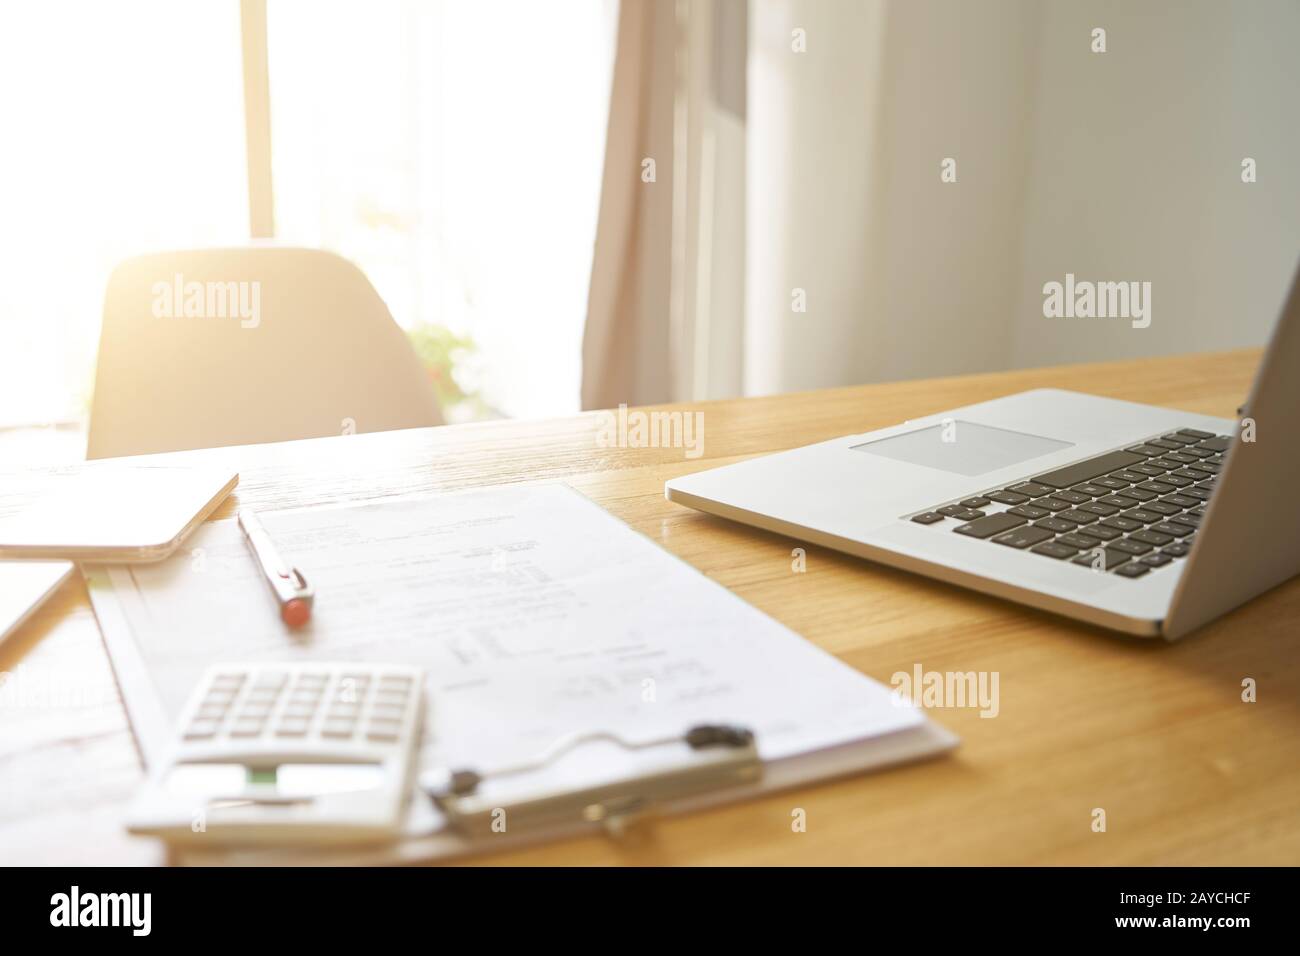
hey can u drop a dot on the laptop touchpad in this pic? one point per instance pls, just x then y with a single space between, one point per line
963 447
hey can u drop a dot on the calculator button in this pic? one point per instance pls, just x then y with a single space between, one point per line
202 729
292 728
343 712
388 709
256 709
303 711
348 694
382 731
338 728
248 728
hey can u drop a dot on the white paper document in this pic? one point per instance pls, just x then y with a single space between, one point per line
535 613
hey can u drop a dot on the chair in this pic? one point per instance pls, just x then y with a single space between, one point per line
212 347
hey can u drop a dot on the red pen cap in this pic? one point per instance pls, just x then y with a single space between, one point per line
295 612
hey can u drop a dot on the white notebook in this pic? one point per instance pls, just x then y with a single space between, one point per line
24 587
536 614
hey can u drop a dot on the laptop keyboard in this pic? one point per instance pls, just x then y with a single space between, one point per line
1125 512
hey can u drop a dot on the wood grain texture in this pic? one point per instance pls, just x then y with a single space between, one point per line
1156 735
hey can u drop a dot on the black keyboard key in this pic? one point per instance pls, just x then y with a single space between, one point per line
1077 541
1055 525
1054 549
1141 514
979 501
1099 532
1195 433
927 517
1102 559
1028 511
1156 560
1073 497
1148 451
1129 476
1138 494
1184 473
1159 487
1091 490
1183 501
1200 494
1031 488
1180 439
960 513
1207 466
1023 537
1123 502
989 526
1107 481
1129 546
1172 461
1217 443
1188 518
1150 536
1077 517
1160 508
1178 549
1176 480
1132 570
1151 471
1198 452
1008 497
1120 523
1166 444
1090 468
1098 509
1051 504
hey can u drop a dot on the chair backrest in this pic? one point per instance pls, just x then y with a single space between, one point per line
212 347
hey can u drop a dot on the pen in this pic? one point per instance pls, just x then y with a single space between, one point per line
291 590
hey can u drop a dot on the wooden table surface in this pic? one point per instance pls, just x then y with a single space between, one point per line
1157 736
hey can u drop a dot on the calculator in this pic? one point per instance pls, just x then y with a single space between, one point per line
288 753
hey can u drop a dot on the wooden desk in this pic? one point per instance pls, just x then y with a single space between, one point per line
1156 735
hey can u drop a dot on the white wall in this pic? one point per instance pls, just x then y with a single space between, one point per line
1123 165
1136 173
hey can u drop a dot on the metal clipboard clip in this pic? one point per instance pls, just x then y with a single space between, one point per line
719 756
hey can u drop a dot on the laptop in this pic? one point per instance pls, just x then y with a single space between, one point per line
1145 520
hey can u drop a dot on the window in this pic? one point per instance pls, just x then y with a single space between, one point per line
123 132
452 149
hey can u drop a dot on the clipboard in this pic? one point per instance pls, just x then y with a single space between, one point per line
704 759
